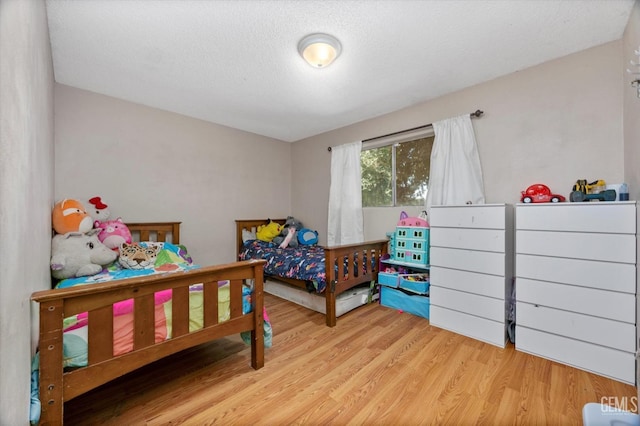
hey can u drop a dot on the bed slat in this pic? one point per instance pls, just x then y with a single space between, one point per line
144 322
100 334
236 298
210 295
180 311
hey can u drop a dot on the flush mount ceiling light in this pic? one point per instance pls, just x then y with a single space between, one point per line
319 50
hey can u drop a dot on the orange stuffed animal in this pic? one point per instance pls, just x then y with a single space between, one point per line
70 216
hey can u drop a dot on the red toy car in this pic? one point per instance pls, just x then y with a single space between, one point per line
540 193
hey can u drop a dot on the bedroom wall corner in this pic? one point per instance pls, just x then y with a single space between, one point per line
149 164
26 192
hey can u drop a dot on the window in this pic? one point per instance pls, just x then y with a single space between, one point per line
395 169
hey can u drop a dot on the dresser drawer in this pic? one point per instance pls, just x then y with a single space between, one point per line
605 247
600 275
468 260
481 306
600 331
615 218
471 282
469 239
601 360
582 300
488 331
479 216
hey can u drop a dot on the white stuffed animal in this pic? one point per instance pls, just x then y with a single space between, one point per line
75 254
98 210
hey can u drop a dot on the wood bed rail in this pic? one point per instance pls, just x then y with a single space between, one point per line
351 255
362 260
156 231
57 385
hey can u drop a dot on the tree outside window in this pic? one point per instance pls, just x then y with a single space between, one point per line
396 174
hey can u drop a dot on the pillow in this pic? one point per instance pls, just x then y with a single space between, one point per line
248 235
307 236
136 256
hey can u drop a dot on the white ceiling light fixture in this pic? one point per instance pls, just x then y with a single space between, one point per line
319 50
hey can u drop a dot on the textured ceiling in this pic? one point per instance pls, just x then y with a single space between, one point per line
236 63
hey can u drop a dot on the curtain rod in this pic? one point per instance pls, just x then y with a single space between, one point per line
477 113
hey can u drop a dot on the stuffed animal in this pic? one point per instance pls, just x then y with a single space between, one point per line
268 231
134 256
307 236
287 238
113 233
76 254
70 216
98 210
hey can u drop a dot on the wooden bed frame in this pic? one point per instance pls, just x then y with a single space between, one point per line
58 385
337 283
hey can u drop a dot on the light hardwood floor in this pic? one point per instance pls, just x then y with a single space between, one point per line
377 366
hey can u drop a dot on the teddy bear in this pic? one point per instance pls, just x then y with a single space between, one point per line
289 235
268 231
112 233
77 254
70 216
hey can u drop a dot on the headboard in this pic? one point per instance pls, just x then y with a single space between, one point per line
249 224
155 231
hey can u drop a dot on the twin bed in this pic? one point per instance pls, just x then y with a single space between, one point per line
122 325
314 270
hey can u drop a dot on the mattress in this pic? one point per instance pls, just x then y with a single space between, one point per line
345 302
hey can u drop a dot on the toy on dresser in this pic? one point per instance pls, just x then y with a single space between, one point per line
595 191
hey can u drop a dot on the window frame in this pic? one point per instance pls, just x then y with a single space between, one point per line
394 140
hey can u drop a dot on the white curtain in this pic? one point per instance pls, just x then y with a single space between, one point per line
345 225
455 175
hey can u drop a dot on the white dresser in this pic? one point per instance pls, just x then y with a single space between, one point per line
472 269
576 285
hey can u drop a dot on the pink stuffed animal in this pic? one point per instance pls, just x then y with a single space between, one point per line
113 233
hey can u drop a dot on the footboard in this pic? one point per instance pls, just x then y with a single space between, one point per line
361 265
58 386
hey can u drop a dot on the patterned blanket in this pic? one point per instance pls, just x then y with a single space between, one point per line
305 262
170 258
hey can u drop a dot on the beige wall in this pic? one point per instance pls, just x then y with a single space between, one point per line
553 123
153 165
26 192
631 116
